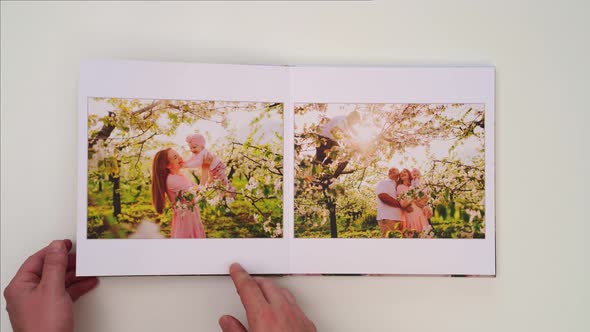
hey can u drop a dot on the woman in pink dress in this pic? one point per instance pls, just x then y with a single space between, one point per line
414 220
167 180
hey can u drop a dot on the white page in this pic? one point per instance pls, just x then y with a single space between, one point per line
181 81
343 85
126 79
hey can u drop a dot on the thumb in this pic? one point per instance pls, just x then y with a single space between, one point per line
54 266
231 324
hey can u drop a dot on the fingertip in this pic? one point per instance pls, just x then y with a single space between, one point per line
231 324
94 283
223 320
57 246
69 244
81 287
236 267
94 280
55 264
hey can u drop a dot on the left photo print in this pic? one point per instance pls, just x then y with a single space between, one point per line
160 169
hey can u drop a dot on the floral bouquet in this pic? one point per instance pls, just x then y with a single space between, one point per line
412 194
187 199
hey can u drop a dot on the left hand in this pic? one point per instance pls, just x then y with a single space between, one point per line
409 208
207 160
41 294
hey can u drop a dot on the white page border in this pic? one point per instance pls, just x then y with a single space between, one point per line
159 80
400 85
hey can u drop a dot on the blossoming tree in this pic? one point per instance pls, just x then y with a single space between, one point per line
124 135
329 196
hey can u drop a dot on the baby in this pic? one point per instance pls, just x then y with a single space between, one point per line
202 156
416 178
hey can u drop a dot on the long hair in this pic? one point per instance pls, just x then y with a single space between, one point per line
159 175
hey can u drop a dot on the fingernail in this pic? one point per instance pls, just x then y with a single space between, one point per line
68 243
56 246
224 320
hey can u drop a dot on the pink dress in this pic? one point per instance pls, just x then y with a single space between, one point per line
416 219
186 224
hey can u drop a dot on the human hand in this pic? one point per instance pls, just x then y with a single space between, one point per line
268 307
421 202
207 159
427 212
406 204
41 294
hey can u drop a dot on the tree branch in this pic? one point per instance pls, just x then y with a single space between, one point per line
107 129
456 163
136 143
275 172
255 147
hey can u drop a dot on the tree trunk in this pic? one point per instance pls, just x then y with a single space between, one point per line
116 196
333 226
116 179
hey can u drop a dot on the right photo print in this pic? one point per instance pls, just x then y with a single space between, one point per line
389 171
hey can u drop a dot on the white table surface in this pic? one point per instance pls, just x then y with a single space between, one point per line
540 50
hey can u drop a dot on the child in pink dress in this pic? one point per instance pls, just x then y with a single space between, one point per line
200 156
168 181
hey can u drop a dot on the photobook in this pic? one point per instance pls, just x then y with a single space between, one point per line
185 168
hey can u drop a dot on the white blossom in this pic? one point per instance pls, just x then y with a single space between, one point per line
214 201
278 185
278 231
252 184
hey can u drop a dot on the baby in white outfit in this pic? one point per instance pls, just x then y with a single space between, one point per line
216 169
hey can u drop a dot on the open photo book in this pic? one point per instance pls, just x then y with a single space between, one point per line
186 168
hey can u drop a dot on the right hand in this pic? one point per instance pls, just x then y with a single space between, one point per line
405 204
427 212
421 203
268 307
